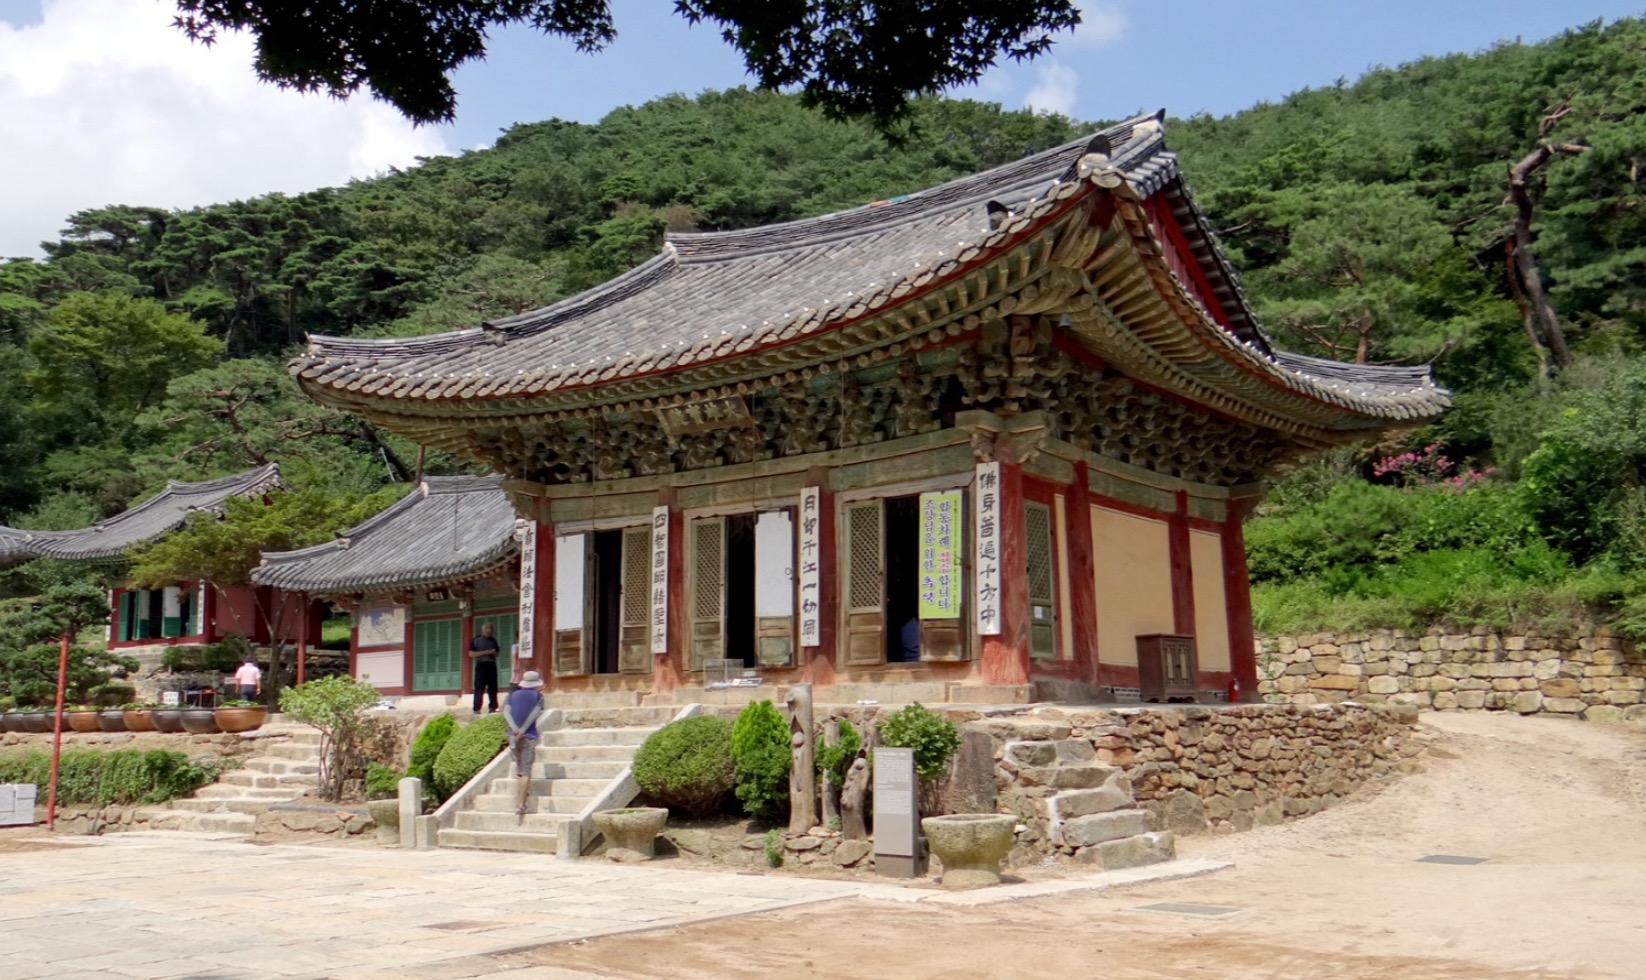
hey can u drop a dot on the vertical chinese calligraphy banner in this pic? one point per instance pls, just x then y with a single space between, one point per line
660 580
811 560
987 565
526 632
940 543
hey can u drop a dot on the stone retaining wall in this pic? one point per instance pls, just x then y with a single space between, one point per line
1595 676
1193 769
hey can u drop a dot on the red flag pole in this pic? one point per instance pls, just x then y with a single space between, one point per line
57 732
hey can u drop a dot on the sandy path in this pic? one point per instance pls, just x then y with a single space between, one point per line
1558 808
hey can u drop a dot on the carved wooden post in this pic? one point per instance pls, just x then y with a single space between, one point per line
803 770
831 792
853 800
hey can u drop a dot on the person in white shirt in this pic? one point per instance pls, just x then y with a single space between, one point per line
249 679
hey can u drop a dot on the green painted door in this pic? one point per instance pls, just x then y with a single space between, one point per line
506 630
437 655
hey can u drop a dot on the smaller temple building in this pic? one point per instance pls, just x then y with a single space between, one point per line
420 579
185 613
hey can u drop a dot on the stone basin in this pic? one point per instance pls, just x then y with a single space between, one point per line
631 833
971 846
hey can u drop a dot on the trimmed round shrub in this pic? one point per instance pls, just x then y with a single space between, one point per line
761 760
467 752
687 765
426 749
934 738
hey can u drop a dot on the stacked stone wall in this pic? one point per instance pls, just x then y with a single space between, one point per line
1192 769
1595 676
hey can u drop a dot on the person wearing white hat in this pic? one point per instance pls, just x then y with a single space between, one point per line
521 711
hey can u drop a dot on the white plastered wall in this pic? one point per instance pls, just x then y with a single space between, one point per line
1132 564
1211 611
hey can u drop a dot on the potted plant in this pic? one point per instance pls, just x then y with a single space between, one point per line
112 719
36 721
240 716
167 718
199 721
80 718
138 718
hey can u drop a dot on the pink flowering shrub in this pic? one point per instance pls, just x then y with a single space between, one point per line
1429 468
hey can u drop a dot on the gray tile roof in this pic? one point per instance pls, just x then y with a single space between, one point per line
710 296
14 546
150 520
450 529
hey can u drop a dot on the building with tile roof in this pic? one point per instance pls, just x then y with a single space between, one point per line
187 613
994 438
420 579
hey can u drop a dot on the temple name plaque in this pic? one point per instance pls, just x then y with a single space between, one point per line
896 814
811 561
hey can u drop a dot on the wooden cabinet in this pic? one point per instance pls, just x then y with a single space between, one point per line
1166 667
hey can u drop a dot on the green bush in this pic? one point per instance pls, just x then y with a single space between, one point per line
935 739
467 752
836 759
426 749
761 760
88 778
687 765
382 782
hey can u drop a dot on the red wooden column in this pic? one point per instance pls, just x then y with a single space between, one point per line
669 669
1237 591
542 619
822 659
1006 656
1083 574
1182 568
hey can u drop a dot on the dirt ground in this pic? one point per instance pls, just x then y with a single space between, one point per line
1557 808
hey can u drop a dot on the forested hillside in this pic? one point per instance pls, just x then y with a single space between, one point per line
1372 220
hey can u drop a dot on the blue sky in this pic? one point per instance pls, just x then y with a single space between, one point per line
106 103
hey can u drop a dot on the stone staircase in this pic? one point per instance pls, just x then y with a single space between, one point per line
575 763
283 769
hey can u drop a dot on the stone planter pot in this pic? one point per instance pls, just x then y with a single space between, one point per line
631 834
112 720
385 815
15 722
36 722
139 720
168 720
200 721
80 721
240 719
971 846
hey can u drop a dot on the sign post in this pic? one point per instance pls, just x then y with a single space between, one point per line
897 851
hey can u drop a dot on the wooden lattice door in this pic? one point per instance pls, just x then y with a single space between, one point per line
1037 520
634 630
865 583
708 590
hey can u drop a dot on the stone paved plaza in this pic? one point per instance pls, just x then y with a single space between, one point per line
207 906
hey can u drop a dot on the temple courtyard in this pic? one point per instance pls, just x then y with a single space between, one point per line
1554 808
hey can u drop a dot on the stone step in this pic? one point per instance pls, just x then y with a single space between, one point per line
246 777
226 791
552 787
597 717
288 751
492 840
605 771
282 767
531 823
290 735
232 823
585 753
506 802
606 737
227 805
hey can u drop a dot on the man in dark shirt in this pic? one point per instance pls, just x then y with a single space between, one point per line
483 651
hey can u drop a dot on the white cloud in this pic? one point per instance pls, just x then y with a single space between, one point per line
106 103
1101 23
1054 90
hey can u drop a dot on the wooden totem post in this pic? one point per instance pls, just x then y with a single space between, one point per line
803 768
831 792
854 799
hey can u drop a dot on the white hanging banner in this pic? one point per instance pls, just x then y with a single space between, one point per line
811 561
526 634
987 494
660 580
